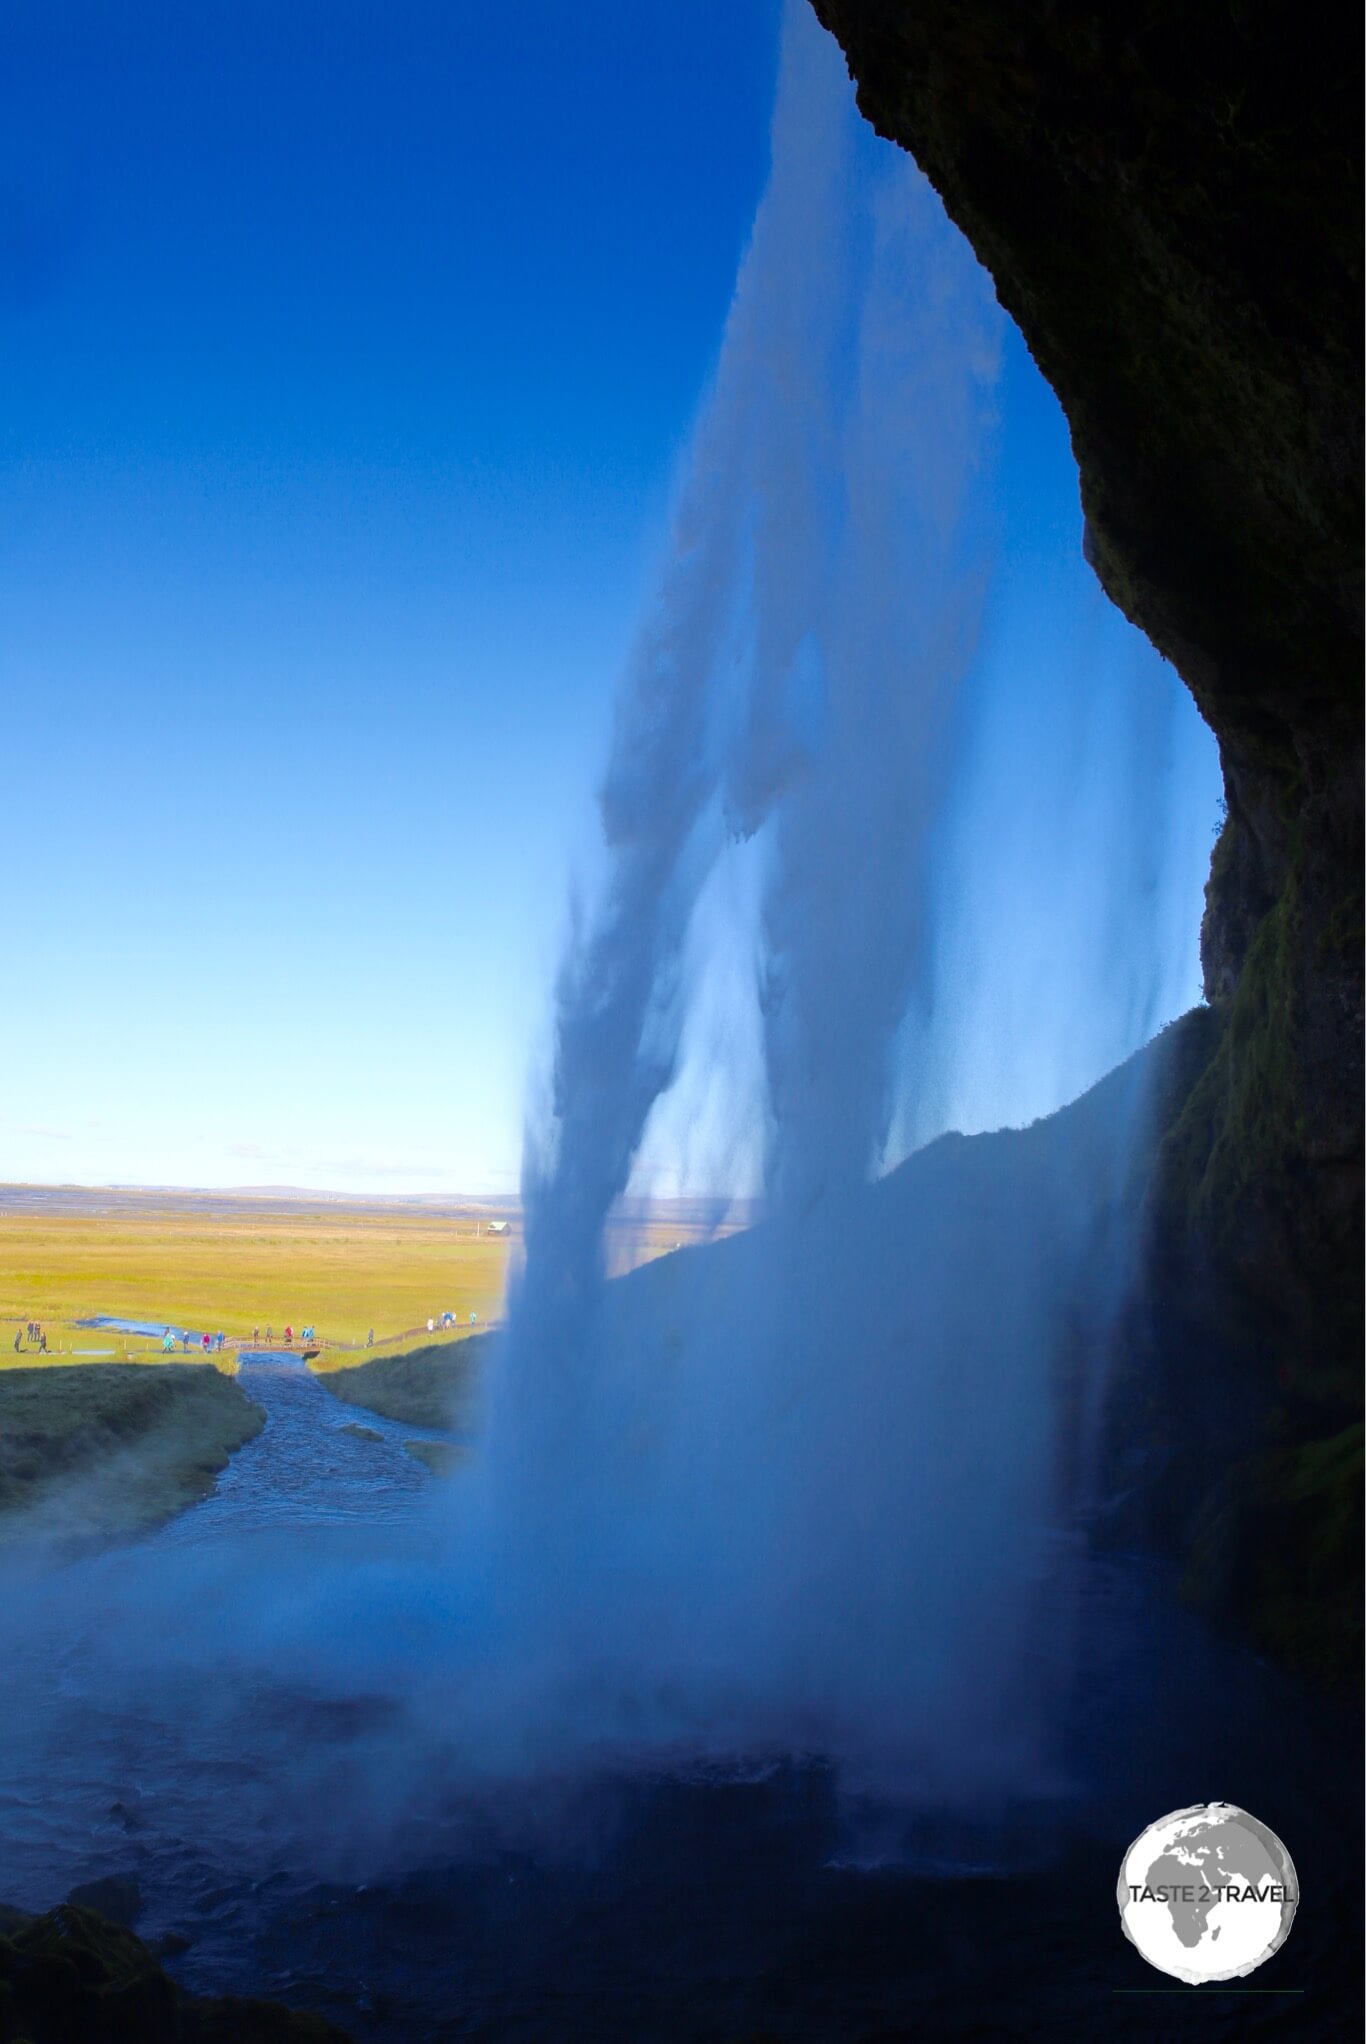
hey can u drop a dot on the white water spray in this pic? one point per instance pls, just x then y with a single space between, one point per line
793 1493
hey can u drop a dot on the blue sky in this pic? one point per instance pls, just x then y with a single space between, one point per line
348 354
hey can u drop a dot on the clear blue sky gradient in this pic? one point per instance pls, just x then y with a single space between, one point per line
347 355
347 351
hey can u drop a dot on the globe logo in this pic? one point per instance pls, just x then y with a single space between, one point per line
1207 1893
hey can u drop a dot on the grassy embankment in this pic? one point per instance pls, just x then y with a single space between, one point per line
430 1386
109 1449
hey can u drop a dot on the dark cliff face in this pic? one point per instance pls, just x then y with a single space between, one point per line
1168 201
1167 198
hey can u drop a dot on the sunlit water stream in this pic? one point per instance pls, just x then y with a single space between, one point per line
307 1468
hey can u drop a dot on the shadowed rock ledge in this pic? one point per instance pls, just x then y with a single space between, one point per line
73 1977
1167 199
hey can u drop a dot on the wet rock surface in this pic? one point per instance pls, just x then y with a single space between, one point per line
117 1897
74 1977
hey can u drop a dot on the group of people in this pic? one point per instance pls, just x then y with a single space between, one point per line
34 1335
206 1343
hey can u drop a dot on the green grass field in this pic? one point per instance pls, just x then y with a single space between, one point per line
243 1266
247 1264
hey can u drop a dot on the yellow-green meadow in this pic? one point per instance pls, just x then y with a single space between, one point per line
242 1266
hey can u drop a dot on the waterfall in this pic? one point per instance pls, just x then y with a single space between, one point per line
794 1491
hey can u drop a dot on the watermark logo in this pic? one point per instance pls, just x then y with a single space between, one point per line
1207 1893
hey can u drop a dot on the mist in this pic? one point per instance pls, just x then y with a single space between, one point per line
871 876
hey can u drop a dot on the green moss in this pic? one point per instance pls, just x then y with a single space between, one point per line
1240 1190
1242 1121
1254 1301
1341 935
1279 1549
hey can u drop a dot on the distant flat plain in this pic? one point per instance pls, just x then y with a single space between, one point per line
243 1262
